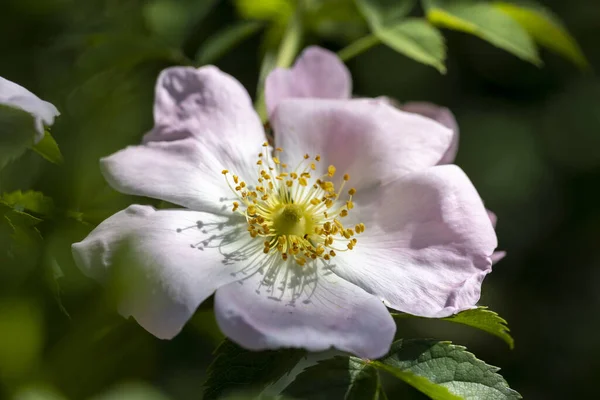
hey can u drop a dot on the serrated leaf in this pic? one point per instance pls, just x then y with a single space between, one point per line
48 148
418 39
235 369
485 21
30 200
384 13
546 29
432 364
348 378
224 40
486 320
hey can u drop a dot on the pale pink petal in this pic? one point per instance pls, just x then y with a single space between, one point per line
368 139
204 123
318 73
314 313
163 263
181 172
43 113
427 244
444 117
498 255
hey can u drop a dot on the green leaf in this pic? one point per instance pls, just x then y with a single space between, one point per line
485 21
384 13
48 148
418 39
271 10
348 378
17 131
30 200
226 39
444 371
486 320
235 369
546 29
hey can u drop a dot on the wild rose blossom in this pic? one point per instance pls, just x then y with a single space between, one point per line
303 243
16 96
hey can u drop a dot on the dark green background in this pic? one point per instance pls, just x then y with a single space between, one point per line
530 141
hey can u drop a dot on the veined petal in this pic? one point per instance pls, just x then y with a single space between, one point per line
181 172
163 263
442 115
204 123
16 96
427 244
315 312
317 73
368 139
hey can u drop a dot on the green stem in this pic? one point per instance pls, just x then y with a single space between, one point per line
358 47
292 40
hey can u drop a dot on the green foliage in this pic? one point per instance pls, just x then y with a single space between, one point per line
384 13
225 40
546 29
440 370
486 320
17 131
348 378
480 318
444 365
418 39
485 21
414 37
30 201
48 148
234 369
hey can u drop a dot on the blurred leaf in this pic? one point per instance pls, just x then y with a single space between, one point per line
225 40
418 39
339 20
235 368
546 29
21 336
485 21
132 391
486 320
37 392
48 148
172 20
17 131
348 378
384 13
271 10
444 371
30 200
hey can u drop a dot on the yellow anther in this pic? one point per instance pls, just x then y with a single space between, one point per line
279 149
302 181
294 175
331 170
236 205
346 177
224 172
315 201
251 210
236 179
259 162
289 183
349 205
276 160
243 184
265 144
306 156
352 192
318 157
332 253
343 213
313 166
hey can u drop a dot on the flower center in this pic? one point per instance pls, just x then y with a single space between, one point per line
298 215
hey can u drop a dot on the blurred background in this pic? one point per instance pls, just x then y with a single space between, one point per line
530 141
